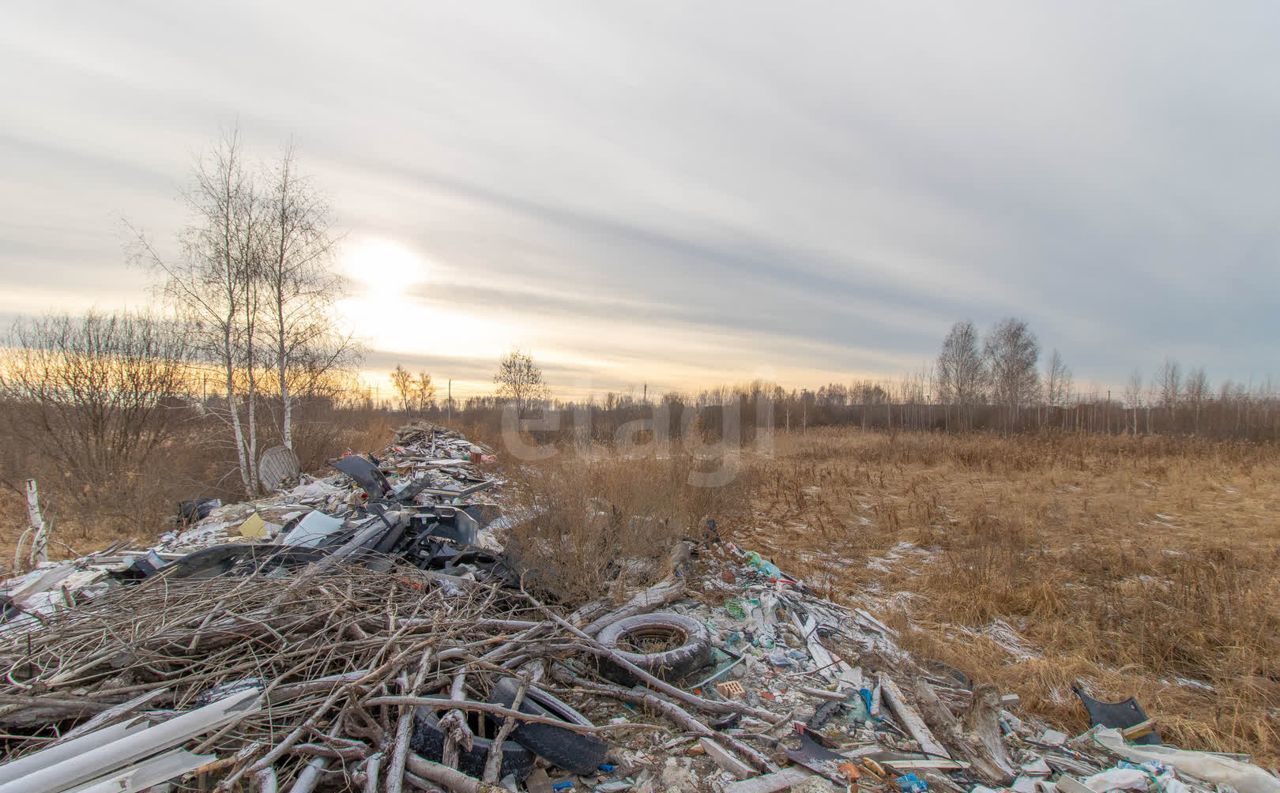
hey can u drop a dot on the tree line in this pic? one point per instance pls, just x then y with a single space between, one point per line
985 382
999 377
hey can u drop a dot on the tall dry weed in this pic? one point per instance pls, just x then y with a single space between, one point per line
600 524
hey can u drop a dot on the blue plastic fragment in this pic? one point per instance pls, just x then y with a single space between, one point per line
563 784
607 768
910 783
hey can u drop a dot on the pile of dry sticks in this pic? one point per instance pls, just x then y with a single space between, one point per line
345 658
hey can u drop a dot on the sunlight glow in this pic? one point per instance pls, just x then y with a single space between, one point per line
396 306
383 266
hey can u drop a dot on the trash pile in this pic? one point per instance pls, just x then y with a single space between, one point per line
363 631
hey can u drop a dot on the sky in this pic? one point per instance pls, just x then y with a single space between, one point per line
685 194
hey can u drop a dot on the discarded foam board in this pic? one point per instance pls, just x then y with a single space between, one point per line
771 783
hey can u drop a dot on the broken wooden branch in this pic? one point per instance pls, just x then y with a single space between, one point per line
670 710
452 780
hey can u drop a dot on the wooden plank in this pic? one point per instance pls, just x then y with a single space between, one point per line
831 667
43 582
822 693
932 764
1138 730
725 759
911 720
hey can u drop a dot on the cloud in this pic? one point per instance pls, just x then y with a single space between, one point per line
689 194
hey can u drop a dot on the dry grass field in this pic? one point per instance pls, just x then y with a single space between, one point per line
1146 567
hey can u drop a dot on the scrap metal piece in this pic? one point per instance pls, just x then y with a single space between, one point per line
1119 715
241 558
365 473
817 758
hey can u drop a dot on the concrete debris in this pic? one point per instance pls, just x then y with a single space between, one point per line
363 631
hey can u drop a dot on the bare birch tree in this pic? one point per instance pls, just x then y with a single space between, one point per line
1057 381
1196 391
298 286
1133 396
1012 353
1169 385
961 371
213 285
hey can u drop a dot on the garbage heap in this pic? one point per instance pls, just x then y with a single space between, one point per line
363 631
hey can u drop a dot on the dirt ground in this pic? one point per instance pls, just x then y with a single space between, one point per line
1144 567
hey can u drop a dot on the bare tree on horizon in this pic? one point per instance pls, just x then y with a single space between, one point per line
1012 353
961 373
1057 380
213 285
520 380
299 287
253 283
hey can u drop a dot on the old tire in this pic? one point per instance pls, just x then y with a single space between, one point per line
688 646
572 751
428 740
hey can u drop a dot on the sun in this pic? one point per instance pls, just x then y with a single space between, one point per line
382 266
383 274
400 303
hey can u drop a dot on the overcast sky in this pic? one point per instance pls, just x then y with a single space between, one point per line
687 193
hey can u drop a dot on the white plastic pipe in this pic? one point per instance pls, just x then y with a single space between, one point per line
75 747
125 751
148 773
